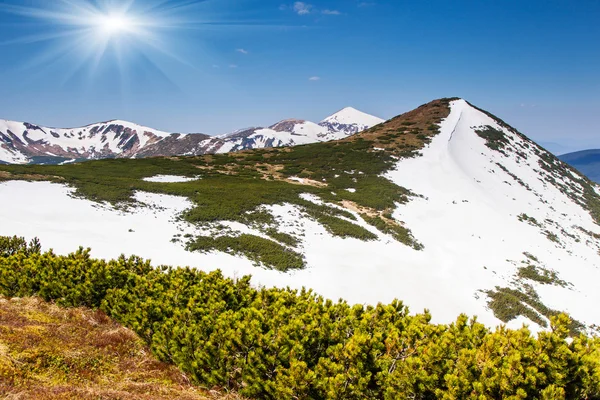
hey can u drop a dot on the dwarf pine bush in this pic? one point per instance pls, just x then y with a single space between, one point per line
287 344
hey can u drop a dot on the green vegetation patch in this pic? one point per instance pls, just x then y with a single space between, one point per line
541 275
531 257
342 228
508 303
397 231
270 343
260 250
530 220
495 139
553 237
282 237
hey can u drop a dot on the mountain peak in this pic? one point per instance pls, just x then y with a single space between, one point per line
133 126
287 125
350 115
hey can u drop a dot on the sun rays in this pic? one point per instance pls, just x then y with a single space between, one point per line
89 34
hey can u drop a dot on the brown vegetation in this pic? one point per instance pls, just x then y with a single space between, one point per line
47 352
410 131
7 176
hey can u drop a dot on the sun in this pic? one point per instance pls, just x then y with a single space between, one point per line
112 25
94 34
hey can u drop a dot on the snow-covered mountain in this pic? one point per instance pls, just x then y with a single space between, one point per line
290 132
509 233
501 220
349 120
21 142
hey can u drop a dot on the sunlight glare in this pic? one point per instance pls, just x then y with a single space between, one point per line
115 24
93 34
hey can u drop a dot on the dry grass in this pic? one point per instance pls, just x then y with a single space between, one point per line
47 352
410 131
5 175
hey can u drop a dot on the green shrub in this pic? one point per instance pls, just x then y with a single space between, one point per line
495 139
282 237
541 275
507 304
398 232
286 344
262 251
14 245
342 228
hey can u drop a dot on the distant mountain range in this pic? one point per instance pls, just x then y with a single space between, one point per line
586 161
23 142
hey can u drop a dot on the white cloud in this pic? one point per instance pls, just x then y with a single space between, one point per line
233 66
314 78
242 51
331 12
302 8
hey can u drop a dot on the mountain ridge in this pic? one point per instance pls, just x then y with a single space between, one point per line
23 142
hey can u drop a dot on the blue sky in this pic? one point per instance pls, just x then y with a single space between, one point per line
217 65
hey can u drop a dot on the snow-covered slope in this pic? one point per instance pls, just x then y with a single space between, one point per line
21 142
507 229
485 213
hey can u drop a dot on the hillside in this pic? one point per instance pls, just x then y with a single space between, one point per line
269 343
47 352
586 161
23 143
445 207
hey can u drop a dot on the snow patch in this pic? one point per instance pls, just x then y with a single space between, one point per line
170 179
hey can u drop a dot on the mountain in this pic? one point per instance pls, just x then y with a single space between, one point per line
445 207
22 142
586 161
292 132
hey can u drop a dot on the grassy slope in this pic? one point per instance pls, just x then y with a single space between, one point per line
234 186
47 352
